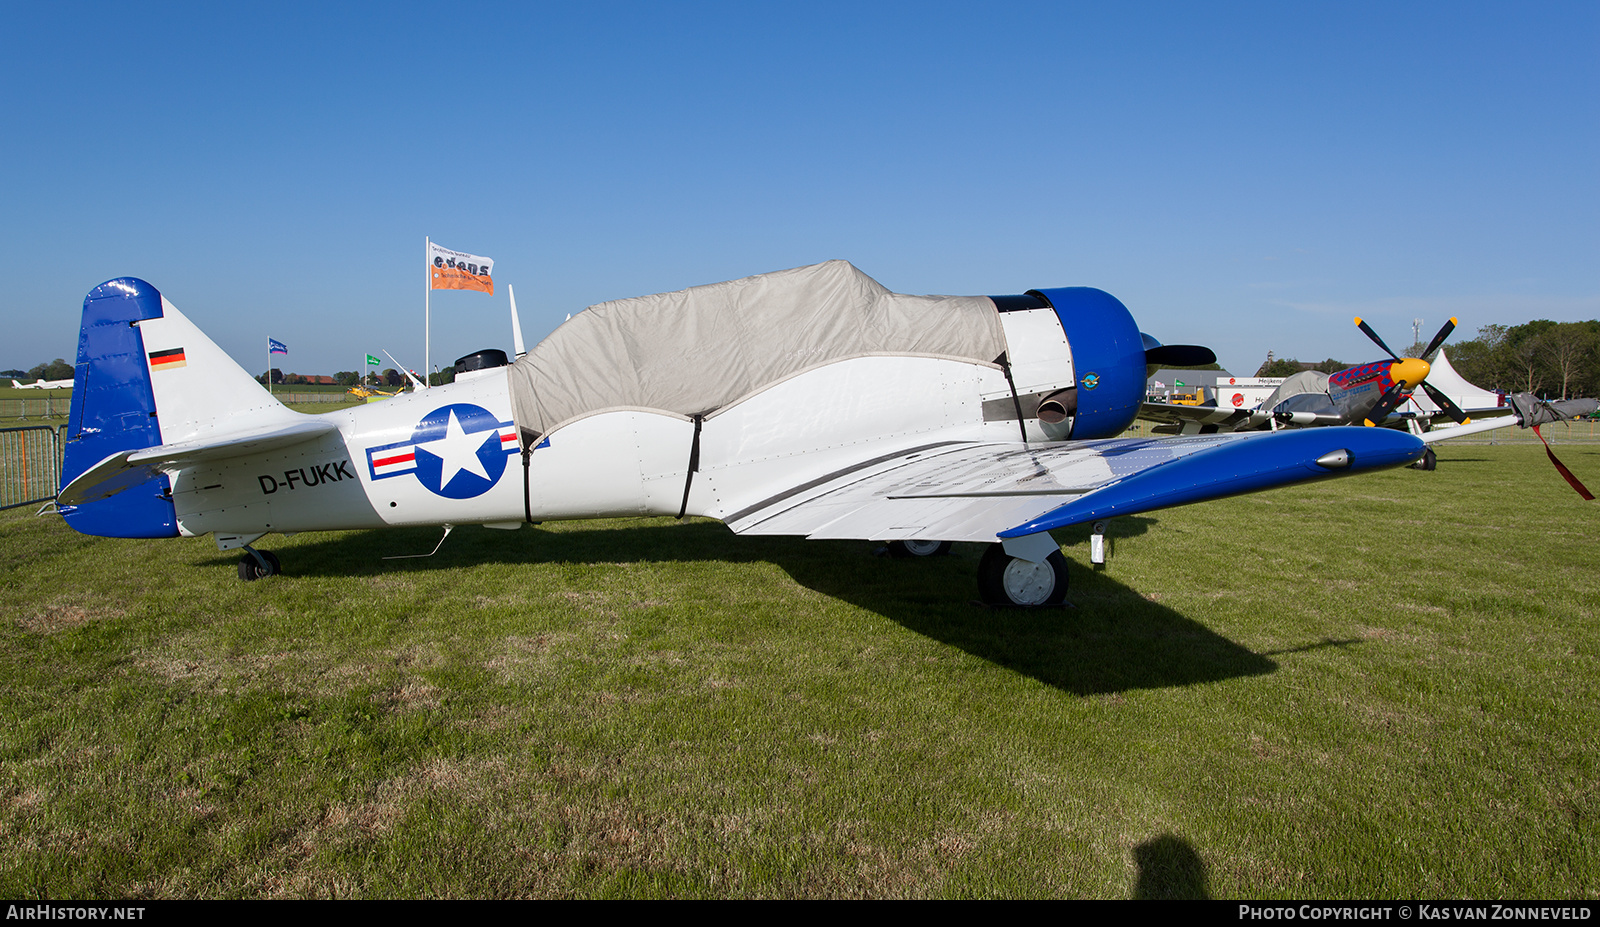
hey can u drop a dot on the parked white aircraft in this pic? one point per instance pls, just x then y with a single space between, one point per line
43 384
808 402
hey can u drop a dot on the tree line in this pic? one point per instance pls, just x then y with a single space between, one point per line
1556 360
57 369
389 377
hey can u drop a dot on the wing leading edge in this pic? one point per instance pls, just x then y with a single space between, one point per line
981 491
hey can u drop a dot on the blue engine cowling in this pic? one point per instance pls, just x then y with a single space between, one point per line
1107 358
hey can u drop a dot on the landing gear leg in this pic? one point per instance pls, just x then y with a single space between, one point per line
1007 580
258 563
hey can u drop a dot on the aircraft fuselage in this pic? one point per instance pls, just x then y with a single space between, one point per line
452 454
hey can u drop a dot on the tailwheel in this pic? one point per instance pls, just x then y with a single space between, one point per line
1007 580
251 568
914 548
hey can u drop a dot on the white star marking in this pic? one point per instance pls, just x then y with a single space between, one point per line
458 450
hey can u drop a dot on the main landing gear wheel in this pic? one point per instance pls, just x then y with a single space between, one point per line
250 569
1007 580
903 549
1428 461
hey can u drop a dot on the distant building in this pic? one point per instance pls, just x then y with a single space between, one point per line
1214 387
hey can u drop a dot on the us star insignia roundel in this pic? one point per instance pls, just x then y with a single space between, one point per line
457 451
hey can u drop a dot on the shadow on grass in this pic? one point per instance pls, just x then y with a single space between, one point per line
1169 868
1108 638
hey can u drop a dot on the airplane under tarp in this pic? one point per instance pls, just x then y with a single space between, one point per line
697 350
807 402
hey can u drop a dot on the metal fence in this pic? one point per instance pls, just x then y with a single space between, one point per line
1583 431
30 464
48 406
57 406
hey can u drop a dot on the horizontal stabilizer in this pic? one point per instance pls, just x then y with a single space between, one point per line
104 480
129 468
1256 461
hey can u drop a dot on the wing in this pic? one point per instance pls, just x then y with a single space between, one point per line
1473 415
1522 409
1202 419
982 491
1194 420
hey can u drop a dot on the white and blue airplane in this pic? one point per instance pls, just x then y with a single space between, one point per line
808 402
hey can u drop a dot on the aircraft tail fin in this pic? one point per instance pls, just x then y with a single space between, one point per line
146 376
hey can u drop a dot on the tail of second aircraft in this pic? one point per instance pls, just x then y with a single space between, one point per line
146 377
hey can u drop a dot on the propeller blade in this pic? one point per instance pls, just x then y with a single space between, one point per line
1443 402
1367 330
1433 346
1387 404
1180 355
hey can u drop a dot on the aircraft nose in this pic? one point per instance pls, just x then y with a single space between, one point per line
1413 370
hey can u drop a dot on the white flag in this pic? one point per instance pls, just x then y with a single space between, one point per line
457 270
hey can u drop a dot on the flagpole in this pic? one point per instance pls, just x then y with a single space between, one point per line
427 309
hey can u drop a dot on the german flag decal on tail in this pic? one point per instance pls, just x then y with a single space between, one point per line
170 359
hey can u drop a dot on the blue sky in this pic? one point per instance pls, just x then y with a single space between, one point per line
1243 175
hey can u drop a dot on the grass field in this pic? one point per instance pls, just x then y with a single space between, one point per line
1377 687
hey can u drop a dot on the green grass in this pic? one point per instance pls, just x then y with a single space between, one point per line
1377 687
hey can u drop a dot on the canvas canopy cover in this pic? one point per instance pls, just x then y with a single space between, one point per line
1312 383
699 350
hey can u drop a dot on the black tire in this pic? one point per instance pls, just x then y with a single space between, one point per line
1007 580
901 550
1428 461
250 570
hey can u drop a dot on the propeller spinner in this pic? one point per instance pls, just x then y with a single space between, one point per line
1409 373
